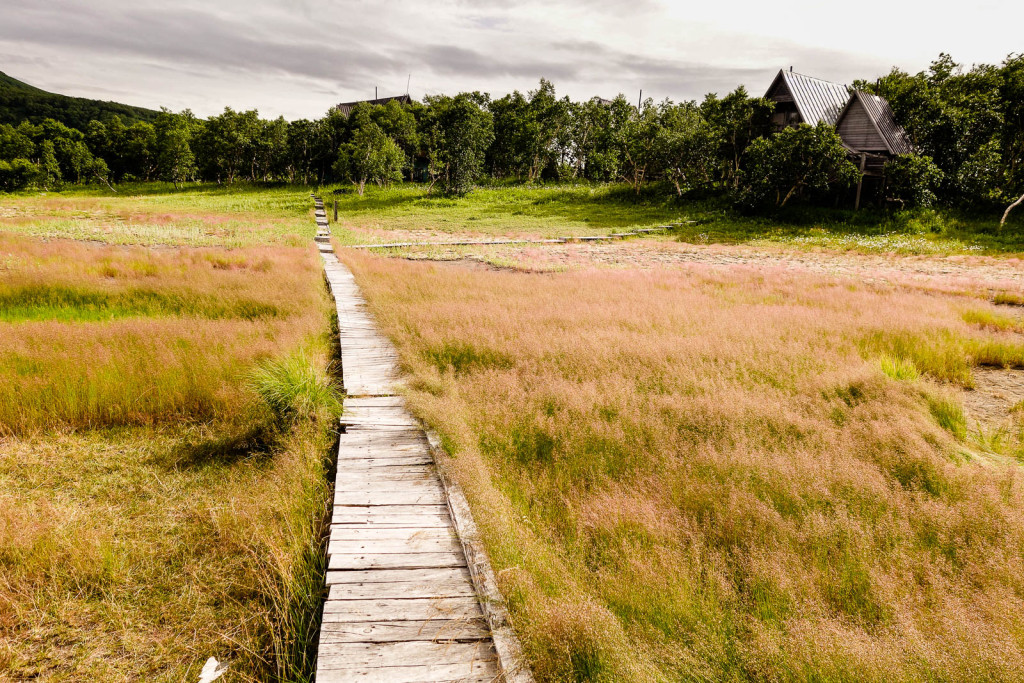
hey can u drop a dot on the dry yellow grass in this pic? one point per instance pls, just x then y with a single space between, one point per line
154 510
707 474
96 335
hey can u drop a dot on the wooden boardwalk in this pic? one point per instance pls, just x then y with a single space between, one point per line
403 605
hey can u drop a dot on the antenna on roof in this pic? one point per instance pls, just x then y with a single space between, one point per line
407 82
791 69
640 99
375 92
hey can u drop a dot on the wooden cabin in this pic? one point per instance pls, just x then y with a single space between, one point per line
346 107
803 99
865 122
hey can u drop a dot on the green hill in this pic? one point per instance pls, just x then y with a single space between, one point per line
20 101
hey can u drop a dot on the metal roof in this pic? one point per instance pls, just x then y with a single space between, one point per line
815 99
346 107
880 113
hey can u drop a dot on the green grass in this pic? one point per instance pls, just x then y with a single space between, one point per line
545 211
81 304
949 414
1008 299
995 321
899 368
541 212
158 214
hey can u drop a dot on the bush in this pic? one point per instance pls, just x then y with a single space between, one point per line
795 163
911 180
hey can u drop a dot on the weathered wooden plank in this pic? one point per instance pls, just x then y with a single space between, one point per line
414 609
433 630
391 488
390 534
377 401
392 522
378 546
418 653
450 588
426 574
384 498
373 510
396 560
448 673
385 474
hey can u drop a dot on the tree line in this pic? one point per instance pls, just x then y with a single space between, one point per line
966 125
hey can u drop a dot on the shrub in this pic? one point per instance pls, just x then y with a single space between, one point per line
911 180
795 163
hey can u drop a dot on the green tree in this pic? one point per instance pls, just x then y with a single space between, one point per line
14 144
372 156
174 157
689 147
226 144
49 167
641 144
458 131
794 163
17 174
739 120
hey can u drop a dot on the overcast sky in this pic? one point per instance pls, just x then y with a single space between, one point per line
298 57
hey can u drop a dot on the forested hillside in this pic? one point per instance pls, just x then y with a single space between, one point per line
21 101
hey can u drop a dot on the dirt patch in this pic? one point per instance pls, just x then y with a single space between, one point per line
995 395
977 275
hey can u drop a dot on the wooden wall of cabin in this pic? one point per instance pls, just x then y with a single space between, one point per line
858 132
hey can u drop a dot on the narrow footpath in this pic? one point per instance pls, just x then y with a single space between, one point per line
403 603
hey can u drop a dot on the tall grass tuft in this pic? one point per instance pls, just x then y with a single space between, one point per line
295 388
949 414
899 368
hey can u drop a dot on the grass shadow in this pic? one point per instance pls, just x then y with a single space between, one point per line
253 442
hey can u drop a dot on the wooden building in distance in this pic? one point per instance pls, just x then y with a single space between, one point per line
865 122
803 99
346 107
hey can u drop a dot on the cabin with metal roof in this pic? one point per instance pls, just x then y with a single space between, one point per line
804 99
865 122
346 107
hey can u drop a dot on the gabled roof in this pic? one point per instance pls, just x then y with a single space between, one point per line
815 99
346 107
880 114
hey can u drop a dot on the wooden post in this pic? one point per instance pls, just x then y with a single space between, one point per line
335 209
860 181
